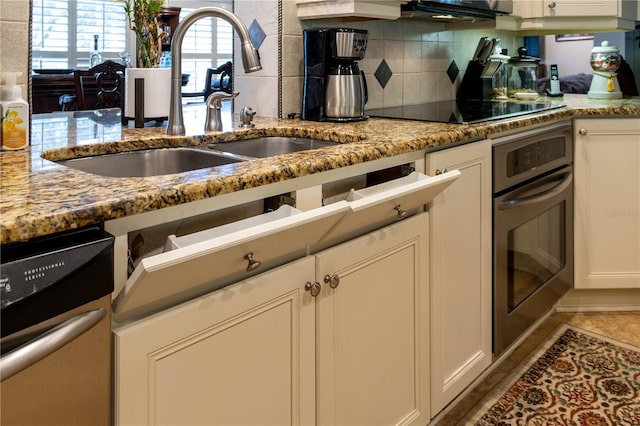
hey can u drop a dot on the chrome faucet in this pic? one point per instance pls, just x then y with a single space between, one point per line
250 58
213 121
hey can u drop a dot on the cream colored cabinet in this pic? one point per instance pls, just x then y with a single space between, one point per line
607 203
369 9
460 280
247 354
372 325
562 8
244 354
338 336
554 16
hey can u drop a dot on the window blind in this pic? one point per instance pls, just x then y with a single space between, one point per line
63 30
207 44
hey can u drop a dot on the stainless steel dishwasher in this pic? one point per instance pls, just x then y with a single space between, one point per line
55 363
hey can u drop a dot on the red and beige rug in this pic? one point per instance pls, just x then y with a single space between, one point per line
576 379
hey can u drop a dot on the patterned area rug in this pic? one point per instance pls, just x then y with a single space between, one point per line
580 379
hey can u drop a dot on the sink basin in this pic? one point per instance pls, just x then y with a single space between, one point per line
269 146
164 161
150 162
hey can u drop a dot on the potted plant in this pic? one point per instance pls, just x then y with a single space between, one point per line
142 16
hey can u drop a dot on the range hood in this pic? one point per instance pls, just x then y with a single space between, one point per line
457 10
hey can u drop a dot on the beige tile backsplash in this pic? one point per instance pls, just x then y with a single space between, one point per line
418 53
14 39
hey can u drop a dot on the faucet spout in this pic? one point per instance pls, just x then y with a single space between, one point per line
250 58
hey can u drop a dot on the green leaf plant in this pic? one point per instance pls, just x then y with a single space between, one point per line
142 16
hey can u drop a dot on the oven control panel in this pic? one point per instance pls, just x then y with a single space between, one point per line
536 154
522 156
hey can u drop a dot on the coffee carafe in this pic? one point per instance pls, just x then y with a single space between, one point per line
334 88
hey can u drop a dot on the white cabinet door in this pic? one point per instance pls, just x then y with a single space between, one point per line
607 203
242 355
372 358
461 279
566 16
580 7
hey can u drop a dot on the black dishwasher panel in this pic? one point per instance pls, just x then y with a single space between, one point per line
47 276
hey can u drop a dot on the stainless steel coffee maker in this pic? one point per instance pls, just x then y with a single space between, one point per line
334 86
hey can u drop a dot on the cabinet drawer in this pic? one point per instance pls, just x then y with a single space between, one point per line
379 205
198 263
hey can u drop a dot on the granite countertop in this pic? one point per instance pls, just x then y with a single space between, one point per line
39 197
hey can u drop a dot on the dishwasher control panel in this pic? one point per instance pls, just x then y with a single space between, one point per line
45 275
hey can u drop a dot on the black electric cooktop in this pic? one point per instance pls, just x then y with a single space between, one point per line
461 112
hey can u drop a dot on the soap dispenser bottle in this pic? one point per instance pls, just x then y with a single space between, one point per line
14 114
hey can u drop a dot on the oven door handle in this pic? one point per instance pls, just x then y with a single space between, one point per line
542 196
48 342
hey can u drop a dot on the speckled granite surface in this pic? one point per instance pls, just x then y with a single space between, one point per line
38 196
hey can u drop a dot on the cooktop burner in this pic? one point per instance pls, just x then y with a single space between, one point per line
461 112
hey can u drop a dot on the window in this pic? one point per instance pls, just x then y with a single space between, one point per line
63 30
208 43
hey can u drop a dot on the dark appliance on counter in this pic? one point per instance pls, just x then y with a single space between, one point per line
334 88
462 111
470 10
478 81
55 363
532 228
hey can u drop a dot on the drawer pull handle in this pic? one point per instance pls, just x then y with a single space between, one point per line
314 288
441 171
253 264
583 132
333 280
401 213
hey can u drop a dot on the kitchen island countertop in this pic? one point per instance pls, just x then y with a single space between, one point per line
40 197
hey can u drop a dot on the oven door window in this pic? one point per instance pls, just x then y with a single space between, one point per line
536 253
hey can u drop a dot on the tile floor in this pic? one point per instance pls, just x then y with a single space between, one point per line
622 326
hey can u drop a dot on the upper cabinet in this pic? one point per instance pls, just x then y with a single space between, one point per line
370 9
570 16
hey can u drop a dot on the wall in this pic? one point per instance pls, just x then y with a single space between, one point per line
417 52
14 39
572 56
259 90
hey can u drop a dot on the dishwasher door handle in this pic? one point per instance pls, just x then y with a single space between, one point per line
48 342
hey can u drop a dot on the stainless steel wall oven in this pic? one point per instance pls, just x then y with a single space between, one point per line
533 228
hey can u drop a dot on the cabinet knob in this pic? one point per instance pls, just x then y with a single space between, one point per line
552 5
333 280
313 288
441 171
401 214
253 264
583 132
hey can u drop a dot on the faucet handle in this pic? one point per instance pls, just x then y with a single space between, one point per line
215 99
213 118
246 116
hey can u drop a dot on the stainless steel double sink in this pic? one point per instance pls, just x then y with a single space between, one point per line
162 161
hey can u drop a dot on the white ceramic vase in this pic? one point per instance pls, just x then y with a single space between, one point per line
157 91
